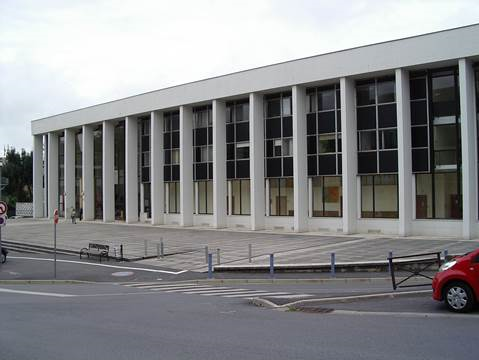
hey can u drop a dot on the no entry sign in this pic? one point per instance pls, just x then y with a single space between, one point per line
3 208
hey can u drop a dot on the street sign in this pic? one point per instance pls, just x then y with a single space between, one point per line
3 221
3 208
55 216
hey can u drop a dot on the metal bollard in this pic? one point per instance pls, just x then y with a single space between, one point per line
162 249
206 254
333 264
146 247
158 251
271 265
250 252
121 252
218 260
210 266
446 254
390 255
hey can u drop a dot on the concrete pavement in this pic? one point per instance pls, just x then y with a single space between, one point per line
185 248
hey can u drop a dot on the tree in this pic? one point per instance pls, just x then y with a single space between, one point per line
17 168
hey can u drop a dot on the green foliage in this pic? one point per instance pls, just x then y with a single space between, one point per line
17 168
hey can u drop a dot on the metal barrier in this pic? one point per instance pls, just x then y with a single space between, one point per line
422 261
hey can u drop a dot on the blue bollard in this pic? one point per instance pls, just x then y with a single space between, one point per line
333 264
210 266
445 255
271 265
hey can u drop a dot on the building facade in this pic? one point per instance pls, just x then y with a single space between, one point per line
379 139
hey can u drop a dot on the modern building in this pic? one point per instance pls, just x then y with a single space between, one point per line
379 138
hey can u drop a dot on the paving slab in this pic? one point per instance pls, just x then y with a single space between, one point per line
184 248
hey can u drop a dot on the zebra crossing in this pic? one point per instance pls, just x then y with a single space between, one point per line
212 290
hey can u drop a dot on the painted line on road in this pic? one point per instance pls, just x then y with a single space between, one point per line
35 293
101 265
252 295
403 314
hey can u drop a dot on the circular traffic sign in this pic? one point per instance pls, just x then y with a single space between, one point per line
3 221
55 216
3 207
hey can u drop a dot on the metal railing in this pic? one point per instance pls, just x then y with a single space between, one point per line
416 267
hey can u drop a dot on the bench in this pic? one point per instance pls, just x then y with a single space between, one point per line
96 250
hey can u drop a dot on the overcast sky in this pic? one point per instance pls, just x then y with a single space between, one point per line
60 55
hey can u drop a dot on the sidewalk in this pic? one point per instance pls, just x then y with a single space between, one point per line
184 248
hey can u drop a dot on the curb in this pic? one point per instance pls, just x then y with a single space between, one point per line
342 299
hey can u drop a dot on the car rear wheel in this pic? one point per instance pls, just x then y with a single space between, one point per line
459 297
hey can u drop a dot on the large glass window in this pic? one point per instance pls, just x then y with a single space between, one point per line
376 124
172 197
379 196
98 171
281 197
204 196
237 139
119 175
327 196
445 203
240 197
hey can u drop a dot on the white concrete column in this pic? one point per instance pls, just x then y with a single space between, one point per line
349 155
87 173
38 194
186 165
45 175
299 160
468 148
256 136
108 162
219 164
52 173
156 163
404 151
131 169
69 166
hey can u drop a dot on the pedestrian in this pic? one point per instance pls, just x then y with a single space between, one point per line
73 215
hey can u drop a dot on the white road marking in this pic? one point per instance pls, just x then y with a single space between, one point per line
251 294
210 290
292 296
101 265
232 292
189 288
35 293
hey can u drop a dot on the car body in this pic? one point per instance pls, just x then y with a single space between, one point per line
457 282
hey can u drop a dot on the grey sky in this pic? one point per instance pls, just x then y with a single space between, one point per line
57 56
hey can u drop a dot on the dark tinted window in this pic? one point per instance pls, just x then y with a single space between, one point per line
366 117
418 112
326 122
387 115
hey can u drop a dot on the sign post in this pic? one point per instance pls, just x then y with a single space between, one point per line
3 222
55 222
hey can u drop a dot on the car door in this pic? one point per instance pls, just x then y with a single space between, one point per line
474 273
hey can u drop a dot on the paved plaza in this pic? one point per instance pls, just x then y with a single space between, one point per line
184 248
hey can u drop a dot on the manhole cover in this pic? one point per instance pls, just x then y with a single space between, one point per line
122 273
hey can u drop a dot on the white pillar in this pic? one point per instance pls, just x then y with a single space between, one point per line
38 195
299 160
186 165
404 151
219 164
52 173
87 173
156 163
69 166
468 148
131 169
108 167
256 135
349 155
45 175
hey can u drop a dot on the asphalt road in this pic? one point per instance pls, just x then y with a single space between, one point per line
117 322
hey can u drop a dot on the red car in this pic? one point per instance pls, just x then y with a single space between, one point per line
457 282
